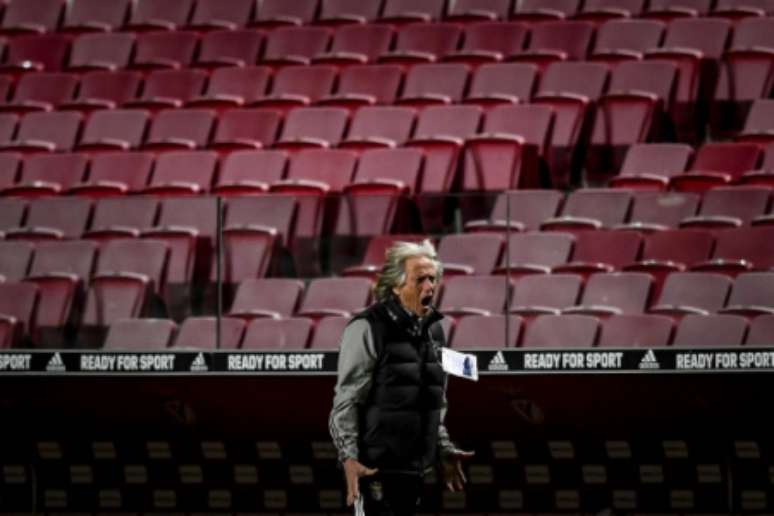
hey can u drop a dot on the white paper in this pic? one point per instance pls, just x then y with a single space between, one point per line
359 510
459 364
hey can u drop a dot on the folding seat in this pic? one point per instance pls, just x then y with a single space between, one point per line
175 129
557 41
656 211
154 15
313 127
692 293
486 332
246 129
378 199
693 45
169 89
140 334
732 206
45 131
752 295
545 294
626 40
648 166
31 16
364 85
423 43
744 76
599 11
95 15
532 11
357 44
106 52
12 213
46 52
422 87
736 10
474 295
562 331
636 331
337 12
373 257
10 164
53 219
61 270
295 86
18 303
700 331
717 164
759 123
41 92
668 10
379 126
49 174
474 10
407 11
250 172
764 174
526 208
335 296
157 50
761 332
116 173
602 251
488 42
229 48
8 123
104 90
535 253
280 334
127 273
15 258
202 333
591 208
256 229
670 251
182 173
221 14
740 250
234 86
631 112
613 293
502 83
275 298
114 129
275 13
122 217
571 89
295 45
327 334
508 152
471 253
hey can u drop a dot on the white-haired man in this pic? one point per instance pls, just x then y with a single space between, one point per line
390 397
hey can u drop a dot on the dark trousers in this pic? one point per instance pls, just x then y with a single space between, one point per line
391 494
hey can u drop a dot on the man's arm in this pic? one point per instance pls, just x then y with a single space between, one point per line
357 358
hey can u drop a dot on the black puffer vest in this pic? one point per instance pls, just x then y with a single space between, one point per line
399 421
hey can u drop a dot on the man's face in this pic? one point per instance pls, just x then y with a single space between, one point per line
419 285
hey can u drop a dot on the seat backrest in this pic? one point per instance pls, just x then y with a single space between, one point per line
199 213
616 248
565 8
72 257
733 158
301 12
557 291
572 37
708 35
702 290
290 333
366 40
455 121
117 87
529 207
43 14
19 300
344 9
110 15
664 159
576 77
486 331
743 203
127 212
481 251
686 246
698 331
312 82
515 79
304 42
255 125
174 13
422 79
130 168
275 294
201 333
753 32
632 7
148 257
608 206
140 334
628 292
753 289
174 84
761 331
391 122
265 166
656 77
554 331
65 170
382 81
546 249
755 245
437 39
327 334
507 38
496 8
237 12
102 48
348 294
171 47
432 8
664 209
15 258
69 215
274 211
323 123
760 118
480 292
191 167
632 35
125 125
240 47
12 212
48 50
50 87
636 330
57 127
194 125
403 165
333 167
532 122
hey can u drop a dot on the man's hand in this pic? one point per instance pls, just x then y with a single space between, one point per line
353 470
453 476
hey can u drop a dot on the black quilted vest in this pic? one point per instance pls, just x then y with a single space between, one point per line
399 421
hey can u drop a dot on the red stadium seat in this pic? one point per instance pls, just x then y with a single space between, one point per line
474 295
545 10
758 124
732 206
230 48
114 130
600 10
489 42
272 13
122 217
95 15
545 294
379 126
357 44
471 253
35 16
234 86
18 303
116 173
274 298
692 293
327 334
176 129
535 253
53 218
295 86
472 10
278 334
336 12
422 87
261 213
248 129
41 92
104 90
591 208
157 50
655 211
700 331
752 294
46 131
250 172
502 83
626 40
423 43
739 9
295 45
221 14
487 332
527 209
183 173
602 251
741 249
668 10
614 293
557 41
648 166
636 330
335 297
717 164
15 259
10 164
373 258
562 331
202 333
12 213
169 89
140 334
49 174
106 52
363 85
154 15
46 52
761 331
406 11
313 127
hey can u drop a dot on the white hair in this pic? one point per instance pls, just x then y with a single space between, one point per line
394 269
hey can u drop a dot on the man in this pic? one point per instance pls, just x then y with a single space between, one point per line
390 397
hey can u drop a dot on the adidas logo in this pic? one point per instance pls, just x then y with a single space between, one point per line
56 364
498 362
199 364
649 361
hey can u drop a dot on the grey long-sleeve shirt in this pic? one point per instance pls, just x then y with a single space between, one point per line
357 359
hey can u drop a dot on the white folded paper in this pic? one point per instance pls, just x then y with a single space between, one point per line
459 364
